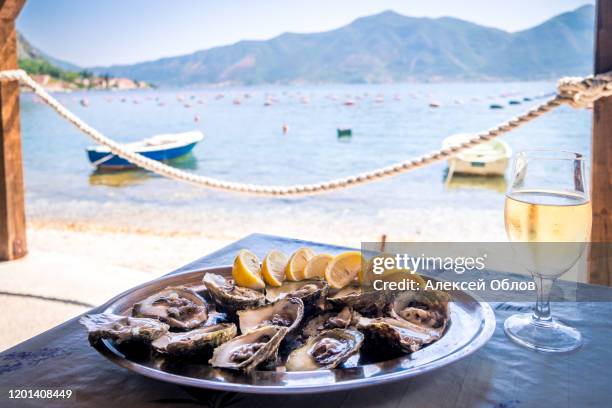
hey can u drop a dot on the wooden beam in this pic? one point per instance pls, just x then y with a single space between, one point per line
9 9
600 255
12 206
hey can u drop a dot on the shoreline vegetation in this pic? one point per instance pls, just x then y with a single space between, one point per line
56 79
60 76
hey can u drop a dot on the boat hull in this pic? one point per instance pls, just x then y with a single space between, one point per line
479 168
103 161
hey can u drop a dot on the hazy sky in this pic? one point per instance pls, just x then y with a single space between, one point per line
104 32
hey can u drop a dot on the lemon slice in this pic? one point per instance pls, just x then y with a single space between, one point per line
246 271
273 268
315 268
393 274
295 267
401 275
343 269
367 275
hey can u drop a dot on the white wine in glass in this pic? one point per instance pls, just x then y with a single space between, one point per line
548 221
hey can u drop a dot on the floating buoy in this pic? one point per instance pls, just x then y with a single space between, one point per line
342 133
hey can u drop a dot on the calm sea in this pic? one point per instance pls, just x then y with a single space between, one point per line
245 143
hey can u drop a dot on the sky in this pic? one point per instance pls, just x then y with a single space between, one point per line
107 32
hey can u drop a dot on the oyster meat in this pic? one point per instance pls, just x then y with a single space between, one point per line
328 350
427 309
311 292
330 320
178 306
287 312
196 340
249 350
397 334
369 302
122 329
229 296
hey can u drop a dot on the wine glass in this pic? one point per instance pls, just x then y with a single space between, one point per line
548 222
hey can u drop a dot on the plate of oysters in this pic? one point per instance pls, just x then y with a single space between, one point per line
304 323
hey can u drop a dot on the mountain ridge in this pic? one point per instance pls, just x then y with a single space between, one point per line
385 47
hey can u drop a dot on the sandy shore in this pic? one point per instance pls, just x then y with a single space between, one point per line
83 267
86 264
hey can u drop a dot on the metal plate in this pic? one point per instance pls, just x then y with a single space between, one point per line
472 325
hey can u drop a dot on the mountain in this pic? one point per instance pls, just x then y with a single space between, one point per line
387 47
25 50
58 75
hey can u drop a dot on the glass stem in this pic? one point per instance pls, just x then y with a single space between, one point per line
541 314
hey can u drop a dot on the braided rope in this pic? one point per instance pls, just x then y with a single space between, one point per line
576 92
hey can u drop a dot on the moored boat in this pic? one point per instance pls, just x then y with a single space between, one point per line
159 147
344 132
489 159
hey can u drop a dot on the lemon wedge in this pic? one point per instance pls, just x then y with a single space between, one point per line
401 275
367 275
295 267
393 274
315 268
246 271
343 269
273 268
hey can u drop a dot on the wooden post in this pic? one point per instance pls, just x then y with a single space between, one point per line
12 208
600 256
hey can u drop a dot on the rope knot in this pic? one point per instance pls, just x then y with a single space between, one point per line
582 92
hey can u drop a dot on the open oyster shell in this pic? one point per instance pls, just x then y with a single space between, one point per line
229 296
328 350
287 312
122 329
331 320
178 306
424 308
311 292
366 301
195 341
249 350
394 334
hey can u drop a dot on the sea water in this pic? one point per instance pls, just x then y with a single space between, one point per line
245 143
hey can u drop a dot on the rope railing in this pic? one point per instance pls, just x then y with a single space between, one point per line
573 91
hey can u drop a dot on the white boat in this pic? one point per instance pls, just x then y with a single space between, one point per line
488 159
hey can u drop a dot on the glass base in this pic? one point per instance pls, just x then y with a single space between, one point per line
551 336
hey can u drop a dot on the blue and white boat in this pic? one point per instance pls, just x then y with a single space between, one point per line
159 147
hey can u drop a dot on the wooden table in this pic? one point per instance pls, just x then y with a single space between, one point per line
501 374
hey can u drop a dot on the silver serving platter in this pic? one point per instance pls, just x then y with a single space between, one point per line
472 325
